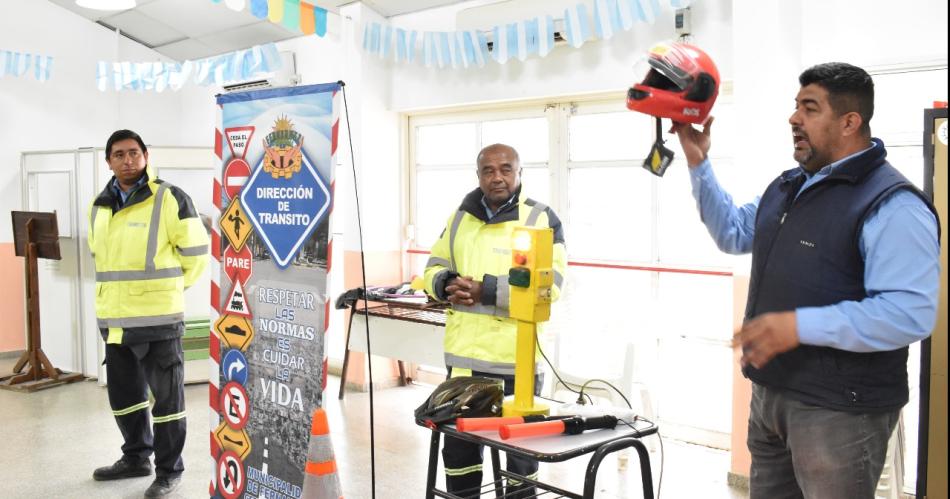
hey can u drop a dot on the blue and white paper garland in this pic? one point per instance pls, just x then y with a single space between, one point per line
237 66
18 64
534 36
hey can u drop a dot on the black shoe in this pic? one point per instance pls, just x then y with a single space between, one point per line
122 469
163 486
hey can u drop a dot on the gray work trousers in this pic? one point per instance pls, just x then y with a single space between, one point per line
805 451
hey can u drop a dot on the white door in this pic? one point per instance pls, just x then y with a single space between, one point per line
49 184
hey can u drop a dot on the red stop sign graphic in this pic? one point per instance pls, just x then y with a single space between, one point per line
236 174
237 264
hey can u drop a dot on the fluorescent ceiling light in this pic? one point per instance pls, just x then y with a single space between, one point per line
106 4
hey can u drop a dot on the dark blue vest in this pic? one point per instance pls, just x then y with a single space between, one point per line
806 254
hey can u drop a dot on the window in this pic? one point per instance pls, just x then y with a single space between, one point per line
623 226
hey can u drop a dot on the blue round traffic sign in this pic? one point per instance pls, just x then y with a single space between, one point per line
234 367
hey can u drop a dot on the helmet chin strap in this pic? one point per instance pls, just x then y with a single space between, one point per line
660 157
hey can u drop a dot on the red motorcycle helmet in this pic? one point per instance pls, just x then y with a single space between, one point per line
682 84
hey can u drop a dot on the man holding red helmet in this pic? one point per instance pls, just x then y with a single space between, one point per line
845 275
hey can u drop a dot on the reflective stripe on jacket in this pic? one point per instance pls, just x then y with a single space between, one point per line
481 337
146 253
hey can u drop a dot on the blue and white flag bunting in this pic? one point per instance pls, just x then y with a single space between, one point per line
476 47
500 44
576 25
17 64
628 14
42 65
442 49
455 50
158 76
428 49
458 40
386 42
446 54
514 40
606 18
405 45
374 37
647 10
527 39
545 35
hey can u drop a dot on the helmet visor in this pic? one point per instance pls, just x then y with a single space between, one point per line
646 74
674 62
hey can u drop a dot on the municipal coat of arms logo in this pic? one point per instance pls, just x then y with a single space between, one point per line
282 156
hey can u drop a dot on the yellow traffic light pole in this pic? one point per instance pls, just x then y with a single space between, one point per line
530 280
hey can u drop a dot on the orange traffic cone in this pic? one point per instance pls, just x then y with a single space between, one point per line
321 480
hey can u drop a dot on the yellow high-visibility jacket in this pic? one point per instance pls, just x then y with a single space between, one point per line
147 253
481 337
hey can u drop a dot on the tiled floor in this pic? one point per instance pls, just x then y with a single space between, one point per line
51 440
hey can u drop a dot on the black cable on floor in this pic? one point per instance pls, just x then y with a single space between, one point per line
369 351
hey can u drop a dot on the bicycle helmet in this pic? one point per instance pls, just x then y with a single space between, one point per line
462 397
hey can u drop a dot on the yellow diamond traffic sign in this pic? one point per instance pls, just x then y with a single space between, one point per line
234 225
236 331
235 440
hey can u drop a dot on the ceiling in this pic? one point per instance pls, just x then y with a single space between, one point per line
194 29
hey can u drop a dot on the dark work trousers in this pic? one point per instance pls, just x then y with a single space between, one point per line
132 371
804 451
463 460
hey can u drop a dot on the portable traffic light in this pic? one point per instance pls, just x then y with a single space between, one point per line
531 276
530 279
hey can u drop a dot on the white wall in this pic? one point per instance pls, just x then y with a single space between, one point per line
767 60
68 111
375 135
874 33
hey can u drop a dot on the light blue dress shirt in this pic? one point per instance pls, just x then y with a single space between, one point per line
124 196
901 254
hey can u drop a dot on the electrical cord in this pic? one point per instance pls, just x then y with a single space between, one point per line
369 351
659 485
580 394
584 386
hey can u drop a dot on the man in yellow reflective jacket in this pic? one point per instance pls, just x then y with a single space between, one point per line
149 244
468 267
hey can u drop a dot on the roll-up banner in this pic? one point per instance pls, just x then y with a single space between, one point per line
277 149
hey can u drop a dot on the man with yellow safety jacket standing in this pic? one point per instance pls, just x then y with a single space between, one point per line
468 267
149 245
